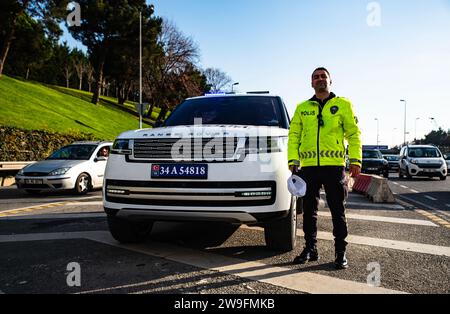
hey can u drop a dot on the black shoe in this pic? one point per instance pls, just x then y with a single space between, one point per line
308 254
341 261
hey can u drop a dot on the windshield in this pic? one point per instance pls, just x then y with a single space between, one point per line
372 154
259 111
73 152
392 158
423 152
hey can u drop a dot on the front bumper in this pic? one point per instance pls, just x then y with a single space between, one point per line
45 183
415 170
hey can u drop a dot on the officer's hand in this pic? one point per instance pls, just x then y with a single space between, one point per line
293 169
355 170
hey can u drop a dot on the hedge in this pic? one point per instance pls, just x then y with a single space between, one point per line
32 145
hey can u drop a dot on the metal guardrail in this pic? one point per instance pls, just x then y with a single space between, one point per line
8 169
13 165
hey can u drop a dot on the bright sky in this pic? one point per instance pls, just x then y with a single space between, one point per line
377 53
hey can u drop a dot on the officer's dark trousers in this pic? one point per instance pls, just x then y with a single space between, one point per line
333 180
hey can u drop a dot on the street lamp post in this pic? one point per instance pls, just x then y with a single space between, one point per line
140 70
234 84
415 129
378 131
404 130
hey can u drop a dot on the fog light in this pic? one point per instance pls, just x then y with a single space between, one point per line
118 192
253 194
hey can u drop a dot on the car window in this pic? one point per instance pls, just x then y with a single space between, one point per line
259 111
424 152
371 154
391 158
104 151
73 152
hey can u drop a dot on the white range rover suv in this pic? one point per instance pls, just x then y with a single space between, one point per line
216 158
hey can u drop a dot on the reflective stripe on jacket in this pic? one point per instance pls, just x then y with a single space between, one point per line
313 145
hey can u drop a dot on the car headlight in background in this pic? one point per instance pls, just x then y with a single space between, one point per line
414 161
121 147
59 171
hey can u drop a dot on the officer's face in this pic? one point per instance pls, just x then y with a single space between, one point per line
321 81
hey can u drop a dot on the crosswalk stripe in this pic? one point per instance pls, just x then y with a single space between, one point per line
383 243
417 222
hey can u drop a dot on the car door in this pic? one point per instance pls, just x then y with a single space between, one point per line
99 166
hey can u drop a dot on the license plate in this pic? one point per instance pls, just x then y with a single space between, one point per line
428 170
372 169
34 181
179 171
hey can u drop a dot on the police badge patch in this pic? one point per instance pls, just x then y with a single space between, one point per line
334 109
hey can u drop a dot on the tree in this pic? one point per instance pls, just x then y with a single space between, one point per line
102 24
30 50
46 12
170 69
216 79
90 75
79 61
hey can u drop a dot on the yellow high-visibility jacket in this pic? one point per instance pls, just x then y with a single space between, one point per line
311 145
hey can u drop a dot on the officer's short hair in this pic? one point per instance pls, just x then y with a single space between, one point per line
320 69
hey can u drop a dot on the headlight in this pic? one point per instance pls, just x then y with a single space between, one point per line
20 173
121 147
414 161
262 145
385 162
59 171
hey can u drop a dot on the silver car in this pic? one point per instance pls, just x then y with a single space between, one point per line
79 167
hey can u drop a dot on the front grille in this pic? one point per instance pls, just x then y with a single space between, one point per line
429 166
189 194
185 149
35 174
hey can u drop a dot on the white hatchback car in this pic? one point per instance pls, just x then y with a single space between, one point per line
216 158
79 167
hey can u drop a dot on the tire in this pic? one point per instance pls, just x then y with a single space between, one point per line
83 184
281 235
408 176
443 178
400 174
386 174
126 231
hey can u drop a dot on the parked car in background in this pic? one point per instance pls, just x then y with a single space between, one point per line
79 167
447 161
422 161
374 163
393 161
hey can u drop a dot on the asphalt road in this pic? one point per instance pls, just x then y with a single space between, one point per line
398 249
431 194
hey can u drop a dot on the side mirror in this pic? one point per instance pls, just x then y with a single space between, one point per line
100 158
158 124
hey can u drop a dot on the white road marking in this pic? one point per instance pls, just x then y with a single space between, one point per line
430 198
278 276
378 206
395 183
57 216
383 243
414 191
405 187
417 222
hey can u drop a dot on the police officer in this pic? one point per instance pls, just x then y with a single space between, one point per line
316 153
